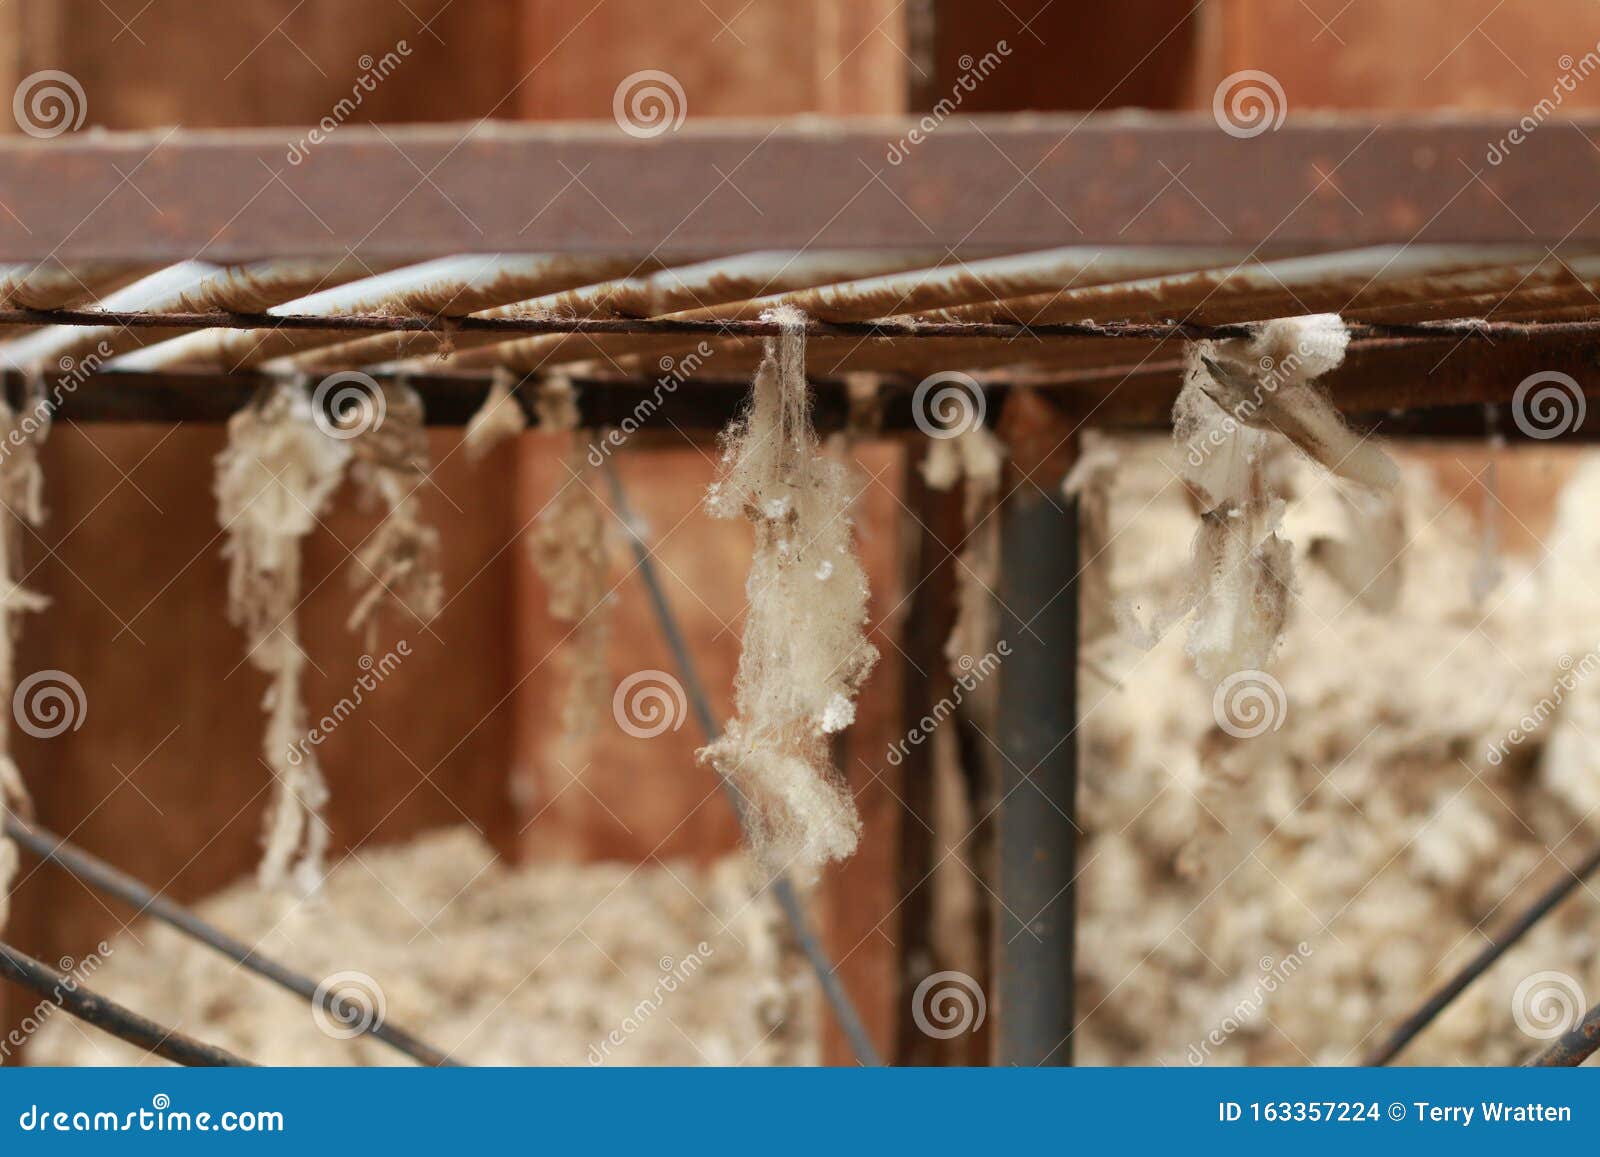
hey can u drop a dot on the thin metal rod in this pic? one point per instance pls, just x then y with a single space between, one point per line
1574 1047
1479 964
782 887
66 993
101 876
743 327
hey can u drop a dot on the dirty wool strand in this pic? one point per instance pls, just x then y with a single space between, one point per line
274 479
804 650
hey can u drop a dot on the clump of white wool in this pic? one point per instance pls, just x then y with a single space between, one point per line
805 652
398 564
274 479
21 500
1239 397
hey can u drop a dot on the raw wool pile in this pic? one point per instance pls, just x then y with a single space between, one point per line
274 479
21 500
974 457
1368 818
804 651
1240 400
568 548
398 564
497 966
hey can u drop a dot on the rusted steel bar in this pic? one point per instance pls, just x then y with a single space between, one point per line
67 994
1448 408
1479 964
1573 1047
102 877
897 330
710 187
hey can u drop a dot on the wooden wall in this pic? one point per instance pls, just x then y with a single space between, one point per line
164 778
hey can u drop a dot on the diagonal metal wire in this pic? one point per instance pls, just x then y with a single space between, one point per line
99 875
1479 964
66 993
782 887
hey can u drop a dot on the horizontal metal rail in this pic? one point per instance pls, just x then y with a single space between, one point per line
895 330
67 994
981 184
640 404
102 877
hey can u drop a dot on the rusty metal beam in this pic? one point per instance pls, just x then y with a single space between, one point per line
711 187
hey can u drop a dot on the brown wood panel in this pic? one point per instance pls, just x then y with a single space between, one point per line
1361 54
1063 55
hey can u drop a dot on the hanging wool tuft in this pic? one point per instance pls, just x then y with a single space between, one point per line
974 457
569 550
273 480
1241 400
805 652
398 564
22 501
